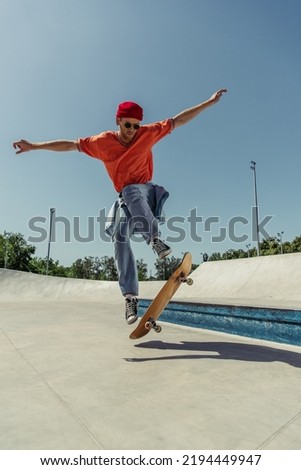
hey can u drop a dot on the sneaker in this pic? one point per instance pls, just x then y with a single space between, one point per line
131 310
160 248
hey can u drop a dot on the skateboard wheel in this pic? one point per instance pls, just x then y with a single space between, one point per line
148 325
158 328
189 281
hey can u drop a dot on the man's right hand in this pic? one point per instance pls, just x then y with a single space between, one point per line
23 146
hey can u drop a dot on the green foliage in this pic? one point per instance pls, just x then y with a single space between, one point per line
216 256
108 268
38 266
235 254
166 266
95 268
142 270
295 245
15 253
268 246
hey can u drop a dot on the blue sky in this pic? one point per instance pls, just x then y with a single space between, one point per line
66 64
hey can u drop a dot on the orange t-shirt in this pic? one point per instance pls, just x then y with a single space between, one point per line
130 164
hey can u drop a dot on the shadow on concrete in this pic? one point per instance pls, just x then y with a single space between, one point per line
224 350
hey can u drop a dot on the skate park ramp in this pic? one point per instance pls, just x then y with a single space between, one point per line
72 379
273 281
18 285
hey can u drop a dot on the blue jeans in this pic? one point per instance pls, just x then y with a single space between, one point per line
140 216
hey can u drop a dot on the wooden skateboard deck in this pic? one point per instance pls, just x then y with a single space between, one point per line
148 321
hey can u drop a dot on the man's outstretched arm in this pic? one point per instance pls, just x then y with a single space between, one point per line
56 145
189 114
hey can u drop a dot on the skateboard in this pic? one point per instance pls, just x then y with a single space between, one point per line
149 319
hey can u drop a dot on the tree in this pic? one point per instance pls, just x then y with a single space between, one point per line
287 247
252 252
166 266
108 269
269 246
194 266
38 266
234 254
142 269
216 256
87 268
296 245
15 253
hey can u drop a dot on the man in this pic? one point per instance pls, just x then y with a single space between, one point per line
127 156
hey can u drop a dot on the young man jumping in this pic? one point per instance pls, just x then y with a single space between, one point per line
127 156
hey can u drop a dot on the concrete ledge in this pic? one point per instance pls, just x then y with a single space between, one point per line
278 325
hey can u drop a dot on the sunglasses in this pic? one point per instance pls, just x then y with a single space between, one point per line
128 125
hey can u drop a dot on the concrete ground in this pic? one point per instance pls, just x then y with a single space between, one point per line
72 379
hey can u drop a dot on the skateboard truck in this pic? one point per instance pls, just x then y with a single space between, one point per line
151 323
186 279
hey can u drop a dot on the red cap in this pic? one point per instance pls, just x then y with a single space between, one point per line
129 109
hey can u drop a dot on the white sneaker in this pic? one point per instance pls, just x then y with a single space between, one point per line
131 310
160 248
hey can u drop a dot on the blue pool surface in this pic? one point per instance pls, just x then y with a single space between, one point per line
272 324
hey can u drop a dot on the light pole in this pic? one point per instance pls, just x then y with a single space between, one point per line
52 211
253 168
280 240
248 248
